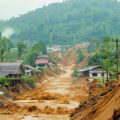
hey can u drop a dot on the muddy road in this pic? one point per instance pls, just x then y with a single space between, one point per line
54 99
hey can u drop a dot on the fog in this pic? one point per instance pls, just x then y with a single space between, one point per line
8 32
10 8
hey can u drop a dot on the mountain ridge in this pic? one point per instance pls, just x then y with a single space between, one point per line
70 22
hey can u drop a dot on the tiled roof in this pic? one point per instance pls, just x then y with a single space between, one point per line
39 61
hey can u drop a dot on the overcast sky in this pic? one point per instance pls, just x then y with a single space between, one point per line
10 8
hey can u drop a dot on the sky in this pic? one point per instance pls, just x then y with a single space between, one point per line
13 8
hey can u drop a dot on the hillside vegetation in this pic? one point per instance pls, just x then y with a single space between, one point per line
69 22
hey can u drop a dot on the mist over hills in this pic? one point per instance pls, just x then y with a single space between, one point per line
69 22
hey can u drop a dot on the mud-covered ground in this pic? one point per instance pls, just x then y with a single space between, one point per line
55 99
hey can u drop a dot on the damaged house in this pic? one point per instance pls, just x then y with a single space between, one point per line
30 71
13 70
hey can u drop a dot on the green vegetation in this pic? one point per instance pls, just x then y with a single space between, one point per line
69 22
80 56
75 73
29 81
56 59
94 44
36 50
21 48
5 46
105 57
4 81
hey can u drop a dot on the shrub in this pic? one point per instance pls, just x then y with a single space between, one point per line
29 81
75 73
5 81
80 56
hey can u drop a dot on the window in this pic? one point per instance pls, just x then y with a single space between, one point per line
94 74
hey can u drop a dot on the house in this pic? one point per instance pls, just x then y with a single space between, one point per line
29 70
41 63
14 70
92 72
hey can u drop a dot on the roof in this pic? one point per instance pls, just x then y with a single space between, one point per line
39 61
88 68
30 67
7 68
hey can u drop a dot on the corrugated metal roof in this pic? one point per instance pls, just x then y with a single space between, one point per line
88 68
7 68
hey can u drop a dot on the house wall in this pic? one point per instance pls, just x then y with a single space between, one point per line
21 70
28 72
99 74
41 65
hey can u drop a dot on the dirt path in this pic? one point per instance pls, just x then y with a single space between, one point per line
55 99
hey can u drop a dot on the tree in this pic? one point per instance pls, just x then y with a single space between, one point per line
21 48
36 50
31 57
3 48
106 63
105 56
93 46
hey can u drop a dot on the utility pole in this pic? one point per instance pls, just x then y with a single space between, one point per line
117 58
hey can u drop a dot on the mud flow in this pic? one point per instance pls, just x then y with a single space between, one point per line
54 99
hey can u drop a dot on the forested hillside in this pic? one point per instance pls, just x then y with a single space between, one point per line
2 25
69 22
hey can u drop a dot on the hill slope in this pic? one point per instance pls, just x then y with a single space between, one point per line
69 22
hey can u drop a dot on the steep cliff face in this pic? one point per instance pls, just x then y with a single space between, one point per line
103 106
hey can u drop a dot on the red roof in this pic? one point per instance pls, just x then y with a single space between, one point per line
30 67
38 61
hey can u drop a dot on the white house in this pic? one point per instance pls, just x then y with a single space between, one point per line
92 72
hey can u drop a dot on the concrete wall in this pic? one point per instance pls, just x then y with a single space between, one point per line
99 74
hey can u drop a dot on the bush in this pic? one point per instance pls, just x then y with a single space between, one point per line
75 73
29 81
4 81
